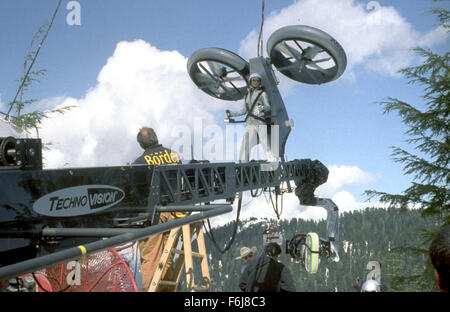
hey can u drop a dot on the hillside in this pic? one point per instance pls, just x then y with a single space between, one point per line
372 234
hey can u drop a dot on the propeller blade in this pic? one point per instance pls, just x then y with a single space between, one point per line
233 79
313 64
216 69
290 51
292 65
322 60
309 72
312 51
298 45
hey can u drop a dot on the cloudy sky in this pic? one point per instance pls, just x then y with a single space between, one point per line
124 67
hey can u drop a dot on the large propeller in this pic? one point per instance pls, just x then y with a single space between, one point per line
306 54
303 53
220 73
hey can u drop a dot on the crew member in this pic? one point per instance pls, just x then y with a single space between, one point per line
154 153
266 274
246 255
152 247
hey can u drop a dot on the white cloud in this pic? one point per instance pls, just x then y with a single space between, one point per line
339 178
139 86
347 202
143 86
9 129
374 36
436 36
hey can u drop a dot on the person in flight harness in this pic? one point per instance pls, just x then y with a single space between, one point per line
152 247
257 107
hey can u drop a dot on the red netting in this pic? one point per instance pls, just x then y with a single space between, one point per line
105 271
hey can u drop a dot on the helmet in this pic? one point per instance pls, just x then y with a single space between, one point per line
254 75
370 286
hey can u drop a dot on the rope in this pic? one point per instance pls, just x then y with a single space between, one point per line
278 210
260 39
211 235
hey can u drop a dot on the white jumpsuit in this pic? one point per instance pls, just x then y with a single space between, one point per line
256 105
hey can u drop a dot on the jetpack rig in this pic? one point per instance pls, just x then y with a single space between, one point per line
51 216
304 54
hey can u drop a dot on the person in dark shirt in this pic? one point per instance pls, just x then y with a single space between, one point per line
154 153
266 274
152 247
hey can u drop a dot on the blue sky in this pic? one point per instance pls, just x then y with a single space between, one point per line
98 66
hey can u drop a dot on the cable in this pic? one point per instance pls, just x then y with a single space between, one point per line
211 235
260 39
51 277
254 195
34 59
275 206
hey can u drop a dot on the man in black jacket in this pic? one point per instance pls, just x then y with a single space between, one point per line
154 153
151 248
266 274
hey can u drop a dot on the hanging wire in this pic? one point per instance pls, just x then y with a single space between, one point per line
210 234
277 208
260 39
255 193
49 277
34 59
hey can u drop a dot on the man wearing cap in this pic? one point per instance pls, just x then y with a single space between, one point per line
257 107
246 255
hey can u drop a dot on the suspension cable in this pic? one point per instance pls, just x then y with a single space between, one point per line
211 235
260 39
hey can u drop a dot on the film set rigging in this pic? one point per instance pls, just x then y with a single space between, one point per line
52 216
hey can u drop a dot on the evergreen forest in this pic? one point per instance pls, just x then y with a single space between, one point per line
390 236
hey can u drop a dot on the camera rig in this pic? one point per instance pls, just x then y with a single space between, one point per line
49 216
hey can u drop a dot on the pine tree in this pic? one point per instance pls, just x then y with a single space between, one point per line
428 130
20 103
430 133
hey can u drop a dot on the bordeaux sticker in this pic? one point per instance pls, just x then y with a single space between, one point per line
78 200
